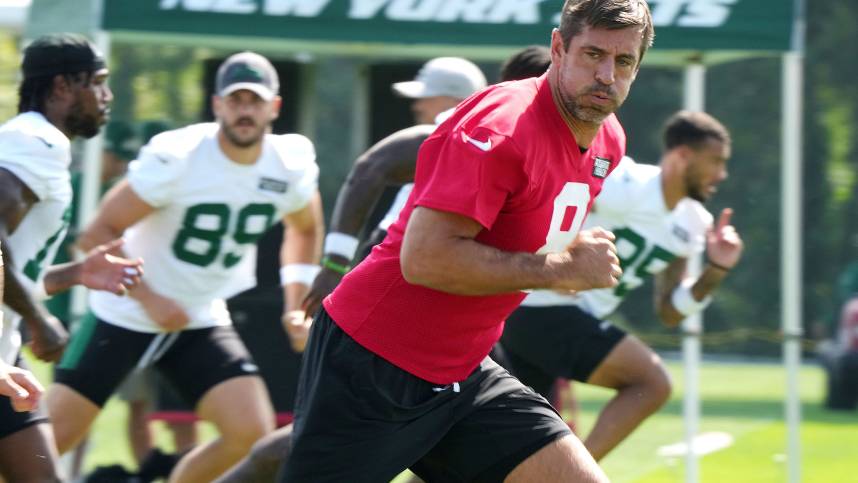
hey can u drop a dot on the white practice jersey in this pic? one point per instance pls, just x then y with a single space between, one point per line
210 211
38 154
648 235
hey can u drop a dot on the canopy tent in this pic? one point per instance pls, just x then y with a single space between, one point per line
691 33
707 30
476 29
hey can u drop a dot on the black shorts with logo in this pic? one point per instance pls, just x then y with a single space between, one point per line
100 355
542 344
12 421
359 418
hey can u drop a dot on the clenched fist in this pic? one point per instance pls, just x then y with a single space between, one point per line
589 262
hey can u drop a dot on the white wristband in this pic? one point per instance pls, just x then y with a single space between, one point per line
684 302
341 244
298 273
39 292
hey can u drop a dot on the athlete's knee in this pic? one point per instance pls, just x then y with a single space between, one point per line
565 459
241 437
71 415
654 386
663 386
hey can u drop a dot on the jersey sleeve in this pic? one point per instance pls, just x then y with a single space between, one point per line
156 172
299 157
470 172
31 159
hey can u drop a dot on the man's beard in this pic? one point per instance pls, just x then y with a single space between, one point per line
590 113
78 123
236 140
694 190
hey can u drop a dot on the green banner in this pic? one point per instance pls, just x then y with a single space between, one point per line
688 25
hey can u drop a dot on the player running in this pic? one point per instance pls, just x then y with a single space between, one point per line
390 162
63 95
657 216
194 203
396 372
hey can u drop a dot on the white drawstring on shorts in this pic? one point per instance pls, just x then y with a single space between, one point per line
455 386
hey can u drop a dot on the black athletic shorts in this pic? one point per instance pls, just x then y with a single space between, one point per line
100 355
542 344
12 421
359 418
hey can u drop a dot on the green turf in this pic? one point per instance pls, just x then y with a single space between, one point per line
744 400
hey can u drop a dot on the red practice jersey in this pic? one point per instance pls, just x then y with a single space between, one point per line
506 159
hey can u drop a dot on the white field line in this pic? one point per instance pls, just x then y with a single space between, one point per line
702 444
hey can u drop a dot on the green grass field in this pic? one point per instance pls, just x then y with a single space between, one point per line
744 400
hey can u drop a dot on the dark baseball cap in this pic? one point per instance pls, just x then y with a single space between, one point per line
62 53
247 70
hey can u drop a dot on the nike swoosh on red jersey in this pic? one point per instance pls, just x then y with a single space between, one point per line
482 145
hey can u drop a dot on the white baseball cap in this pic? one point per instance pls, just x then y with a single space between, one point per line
443 76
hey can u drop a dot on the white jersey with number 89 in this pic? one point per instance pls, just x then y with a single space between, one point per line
199 245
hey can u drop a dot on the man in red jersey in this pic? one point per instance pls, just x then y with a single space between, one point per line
395 374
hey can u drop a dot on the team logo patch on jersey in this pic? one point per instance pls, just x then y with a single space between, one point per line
601 167
275 185
681 233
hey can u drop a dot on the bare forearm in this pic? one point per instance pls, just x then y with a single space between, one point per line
59 278
95 235
708 281
467 267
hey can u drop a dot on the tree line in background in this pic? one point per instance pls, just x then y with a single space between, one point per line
162 82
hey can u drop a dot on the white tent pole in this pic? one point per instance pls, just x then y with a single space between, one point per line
90 186
791 287
791 226
692 327
307 104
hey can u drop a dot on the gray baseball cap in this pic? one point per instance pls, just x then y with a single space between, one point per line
247 70
443 76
